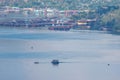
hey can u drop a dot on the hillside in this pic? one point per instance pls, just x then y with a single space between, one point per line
60 4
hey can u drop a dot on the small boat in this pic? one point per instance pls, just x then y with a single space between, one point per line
36 62
55 62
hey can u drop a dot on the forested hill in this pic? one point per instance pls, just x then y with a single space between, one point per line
60 4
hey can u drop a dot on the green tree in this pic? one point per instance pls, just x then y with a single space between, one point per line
112 20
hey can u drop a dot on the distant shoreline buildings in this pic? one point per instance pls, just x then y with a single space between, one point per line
40 12
42 17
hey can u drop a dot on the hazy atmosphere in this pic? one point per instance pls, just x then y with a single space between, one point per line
59 40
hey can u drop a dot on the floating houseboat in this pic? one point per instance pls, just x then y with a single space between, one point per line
60 28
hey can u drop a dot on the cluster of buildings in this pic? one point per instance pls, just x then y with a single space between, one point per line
42 17
41 12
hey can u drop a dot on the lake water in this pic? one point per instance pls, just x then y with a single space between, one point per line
86 55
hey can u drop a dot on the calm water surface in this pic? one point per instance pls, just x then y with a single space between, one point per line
85 55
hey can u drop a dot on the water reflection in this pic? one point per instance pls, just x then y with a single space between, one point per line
24 69
27 55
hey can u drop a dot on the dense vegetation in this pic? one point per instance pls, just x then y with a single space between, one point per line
112 20
107 17
60 4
